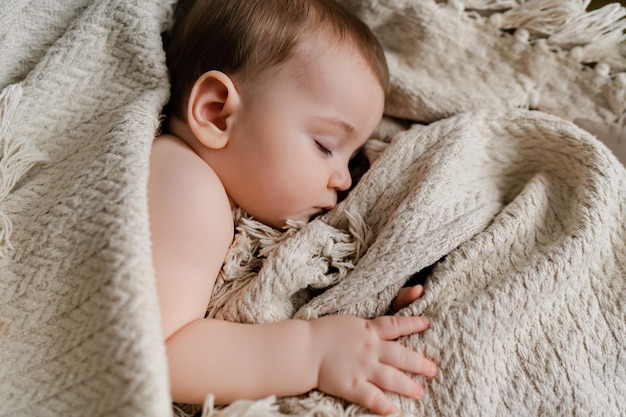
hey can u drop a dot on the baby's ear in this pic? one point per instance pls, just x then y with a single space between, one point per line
213 104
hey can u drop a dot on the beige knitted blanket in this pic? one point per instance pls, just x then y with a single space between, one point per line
514 219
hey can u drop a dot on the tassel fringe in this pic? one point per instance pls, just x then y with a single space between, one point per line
596 36
16 158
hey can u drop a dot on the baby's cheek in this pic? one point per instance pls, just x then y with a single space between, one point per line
287 204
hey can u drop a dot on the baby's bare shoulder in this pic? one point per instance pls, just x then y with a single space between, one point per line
178 170
183 189
191 227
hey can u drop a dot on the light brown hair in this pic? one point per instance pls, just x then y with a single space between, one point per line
246 37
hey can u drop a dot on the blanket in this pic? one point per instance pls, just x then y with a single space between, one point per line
479 186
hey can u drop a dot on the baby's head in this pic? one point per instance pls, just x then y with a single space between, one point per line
276 96
244 38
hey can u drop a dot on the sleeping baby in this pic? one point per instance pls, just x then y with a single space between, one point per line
270 101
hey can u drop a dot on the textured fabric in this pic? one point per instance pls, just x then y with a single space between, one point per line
79 321
521 213
445 59
523 216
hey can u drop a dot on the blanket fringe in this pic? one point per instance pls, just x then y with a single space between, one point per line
266 407
314 404
16 158
596 36
254 241
251 245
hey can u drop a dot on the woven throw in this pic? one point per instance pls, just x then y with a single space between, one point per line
522 217
83 83
511 215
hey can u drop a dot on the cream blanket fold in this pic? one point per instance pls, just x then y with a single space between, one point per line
82 83
526 214
515 218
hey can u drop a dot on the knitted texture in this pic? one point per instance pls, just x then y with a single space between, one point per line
79 321
515 218
446 57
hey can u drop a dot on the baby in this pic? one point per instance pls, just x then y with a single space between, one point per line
270 100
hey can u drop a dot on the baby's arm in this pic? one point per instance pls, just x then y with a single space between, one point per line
346 356
341 355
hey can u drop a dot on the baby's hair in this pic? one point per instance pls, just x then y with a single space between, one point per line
246 37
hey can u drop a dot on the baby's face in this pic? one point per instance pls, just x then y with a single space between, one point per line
297 131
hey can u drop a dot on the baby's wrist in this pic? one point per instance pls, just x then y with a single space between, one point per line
319 345
308 335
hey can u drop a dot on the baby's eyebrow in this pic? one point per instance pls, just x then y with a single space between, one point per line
345 126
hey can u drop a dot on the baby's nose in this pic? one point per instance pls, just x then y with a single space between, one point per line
340 180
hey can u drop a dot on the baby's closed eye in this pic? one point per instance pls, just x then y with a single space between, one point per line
323 148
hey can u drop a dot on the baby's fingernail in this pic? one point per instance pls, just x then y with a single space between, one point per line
432 369
425 321
419 392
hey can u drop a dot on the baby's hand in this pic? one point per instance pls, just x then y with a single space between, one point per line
405 297
359 359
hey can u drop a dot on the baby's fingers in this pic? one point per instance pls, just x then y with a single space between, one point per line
392 327
393 380
405 359
370 396
405 297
